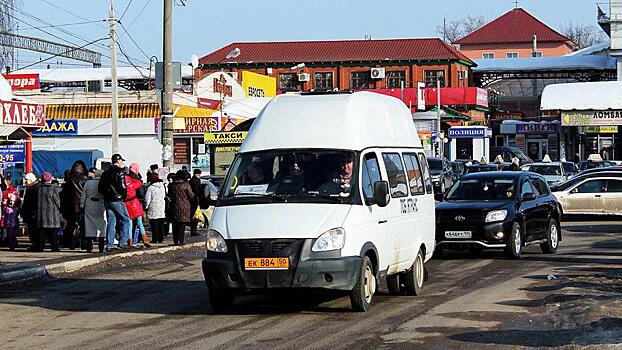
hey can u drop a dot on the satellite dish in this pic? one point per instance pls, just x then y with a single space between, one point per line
234 53
194 61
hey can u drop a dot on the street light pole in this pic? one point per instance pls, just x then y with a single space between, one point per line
438 117
167 95
113 73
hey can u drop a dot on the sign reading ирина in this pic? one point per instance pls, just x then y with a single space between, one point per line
216 138
591 118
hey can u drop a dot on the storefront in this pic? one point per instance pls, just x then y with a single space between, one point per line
535 139
223 147
469 142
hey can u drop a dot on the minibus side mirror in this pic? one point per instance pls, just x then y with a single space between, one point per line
381 193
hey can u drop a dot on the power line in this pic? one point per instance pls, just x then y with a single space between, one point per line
130 62
139 14
69 12
134 41
65 24
126 8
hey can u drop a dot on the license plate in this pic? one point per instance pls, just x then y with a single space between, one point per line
458 234
266 263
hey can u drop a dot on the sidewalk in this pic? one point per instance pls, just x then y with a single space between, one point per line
21 264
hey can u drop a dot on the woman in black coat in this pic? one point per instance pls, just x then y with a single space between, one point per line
71 195
181 199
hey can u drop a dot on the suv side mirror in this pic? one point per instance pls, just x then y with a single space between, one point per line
529 196
381 193
438 197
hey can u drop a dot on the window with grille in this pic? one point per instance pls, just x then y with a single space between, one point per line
512 55
395 79
432 76
288 81
360 80
488 55
323 80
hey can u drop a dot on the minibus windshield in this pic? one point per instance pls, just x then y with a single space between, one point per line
323 176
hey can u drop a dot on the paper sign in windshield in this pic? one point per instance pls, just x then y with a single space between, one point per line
252 189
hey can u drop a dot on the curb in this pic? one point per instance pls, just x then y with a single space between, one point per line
27 273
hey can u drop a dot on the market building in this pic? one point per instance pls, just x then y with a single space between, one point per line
515 34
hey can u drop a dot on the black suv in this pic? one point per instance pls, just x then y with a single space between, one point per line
442 174
498 210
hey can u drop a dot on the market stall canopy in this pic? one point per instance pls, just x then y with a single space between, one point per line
602 95
12 133
447 114
562 63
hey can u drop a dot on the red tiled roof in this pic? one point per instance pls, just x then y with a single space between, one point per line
516 26
337 51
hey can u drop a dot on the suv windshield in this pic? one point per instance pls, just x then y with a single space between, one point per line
569 168
322 176
482 189
480 168
546 169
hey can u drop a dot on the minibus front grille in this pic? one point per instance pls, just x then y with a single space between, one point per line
264 246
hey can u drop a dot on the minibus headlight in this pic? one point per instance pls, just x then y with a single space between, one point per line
332 239
496 215
214 242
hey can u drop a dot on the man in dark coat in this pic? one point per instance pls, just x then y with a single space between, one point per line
181 199
47 215
114 190
29 210
195 184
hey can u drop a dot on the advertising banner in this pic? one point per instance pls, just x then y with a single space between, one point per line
258 85
591 118
22 114
457 132
218 86
216 138
601 129
22 81
61 127
537 128
13 153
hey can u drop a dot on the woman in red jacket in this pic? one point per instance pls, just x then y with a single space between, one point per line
134 206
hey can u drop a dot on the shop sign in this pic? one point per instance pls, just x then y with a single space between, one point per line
602 129
22 114
62 127
507 116
181 151
22 81
469 132
227 149
13 153
208 103
218 86
258 85
592 118
216 138
196 125
537 128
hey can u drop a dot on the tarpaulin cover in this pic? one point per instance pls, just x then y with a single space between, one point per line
56 162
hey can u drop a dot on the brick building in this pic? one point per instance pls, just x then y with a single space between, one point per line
512 36
345 64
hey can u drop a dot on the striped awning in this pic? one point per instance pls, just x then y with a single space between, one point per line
102 111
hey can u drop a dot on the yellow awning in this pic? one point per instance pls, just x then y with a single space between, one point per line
182 111
102 111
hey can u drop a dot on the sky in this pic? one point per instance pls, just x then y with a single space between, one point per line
202 26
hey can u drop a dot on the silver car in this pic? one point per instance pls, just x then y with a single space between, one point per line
553 172
598 195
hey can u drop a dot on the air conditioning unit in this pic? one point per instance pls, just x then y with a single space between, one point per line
94 86
463 74
302 77
377 73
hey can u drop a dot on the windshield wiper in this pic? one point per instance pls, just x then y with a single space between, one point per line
279 197
334 198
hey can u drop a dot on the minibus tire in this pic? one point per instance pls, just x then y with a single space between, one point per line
359 298
414 277
393 284
221 300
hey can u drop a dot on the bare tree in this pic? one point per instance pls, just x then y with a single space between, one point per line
458 28
583 35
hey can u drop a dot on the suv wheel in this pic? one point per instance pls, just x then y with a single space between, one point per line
552 239
514 245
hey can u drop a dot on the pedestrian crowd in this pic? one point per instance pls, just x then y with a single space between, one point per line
106 208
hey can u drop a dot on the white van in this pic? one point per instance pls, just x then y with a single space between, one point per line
329 192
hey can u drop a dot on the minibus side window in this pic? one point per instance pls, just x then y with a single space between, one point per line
423 162
370 174
395 174
415 177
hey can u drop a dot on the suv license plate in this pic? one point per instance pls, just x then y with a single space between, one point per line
266 263
458 234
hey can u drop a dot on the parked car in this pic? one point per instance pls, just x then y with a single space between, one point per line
570 168
595 194
601 170
458 168
553 172
442 173
507 153
498 210
588 164
480 168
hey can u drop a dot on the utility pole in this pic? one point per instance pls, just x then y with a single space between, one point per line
113 73
438 118
167 98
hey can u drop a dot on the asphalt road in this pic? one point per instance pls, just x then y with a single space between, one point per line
572 298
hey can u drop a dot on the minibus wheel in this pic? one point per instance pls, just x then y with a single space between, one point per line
415 276
363 292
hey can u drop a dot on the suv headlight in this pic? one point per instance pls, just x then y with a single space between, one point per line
332 239
496 215
214 242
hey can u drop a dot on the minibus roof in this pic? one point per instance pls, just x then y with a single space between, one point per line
343 121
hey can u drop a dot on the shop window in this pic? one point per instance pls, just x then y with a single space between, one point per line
395 174
288 81
200 154
415 177
511 55
323 80
395 79
488 55
433 76
360 80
